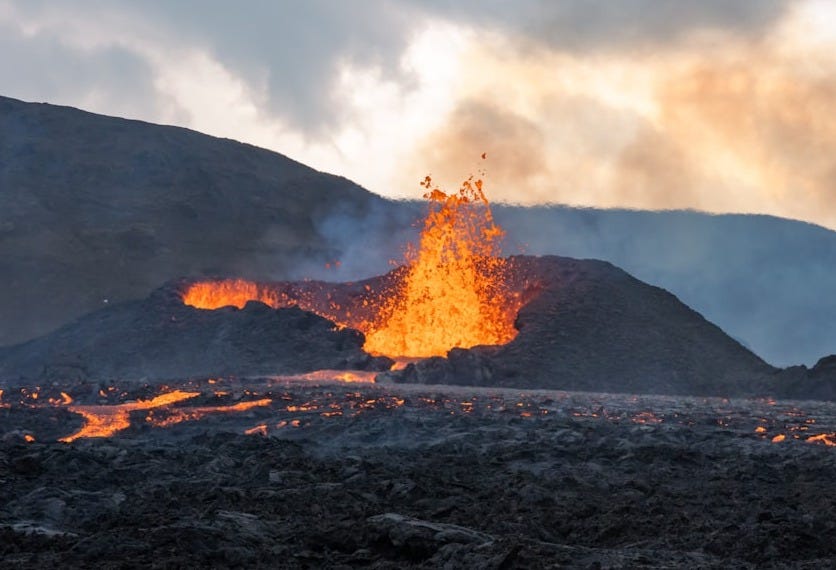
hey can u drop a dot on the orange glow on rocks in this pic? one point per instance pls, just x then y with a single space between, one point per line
347 376
106 420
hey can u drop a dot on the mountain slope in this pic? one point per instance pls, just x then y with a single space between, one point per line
96 209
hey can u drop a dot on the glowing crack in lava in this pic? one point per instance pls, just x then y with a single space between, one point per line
346 376
106 420
451 293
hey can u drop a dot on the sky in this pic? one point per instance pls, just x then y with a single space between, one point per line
714 105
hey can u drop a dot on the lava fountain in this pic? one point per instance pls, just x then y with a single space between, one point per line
453 292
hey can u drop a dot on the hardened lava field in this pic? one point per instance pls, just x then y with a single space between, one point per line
307 473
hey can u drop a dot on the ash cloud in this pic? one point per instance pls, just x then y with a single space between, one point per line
733 134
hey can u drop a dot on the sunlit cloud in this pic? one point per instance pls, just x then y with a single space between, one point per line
717 123
719 107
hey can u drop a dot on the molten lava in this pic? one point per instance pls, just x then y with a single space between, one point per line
347 376
232 292
828 439
451 293
179 415
104 421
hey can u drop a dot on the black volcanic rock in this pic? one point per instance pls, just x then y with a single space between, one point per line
825 368
96 208
591 326
802 383
160 338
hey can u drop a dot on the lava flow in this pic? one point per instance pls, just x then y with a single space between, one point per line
106 420
451 293
347 376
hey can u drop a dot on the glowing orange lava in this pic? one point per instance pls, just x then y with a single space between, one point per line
829 439
347 376
179 415
451 293
260 429
104 421
232 292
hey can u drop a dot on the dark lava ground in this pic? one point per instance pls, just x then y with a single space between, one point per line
350 475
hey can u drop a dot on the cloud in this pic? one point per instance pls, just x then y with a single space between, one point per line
601 25
723 124
720 105
293 50
44 68
477 127
749 133
344 88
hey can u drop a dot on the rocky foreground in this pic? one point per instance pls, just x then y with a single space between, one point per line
418 476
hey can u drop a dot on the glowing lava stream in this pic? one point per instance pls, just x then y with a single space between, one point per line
104 420
189 414
452 293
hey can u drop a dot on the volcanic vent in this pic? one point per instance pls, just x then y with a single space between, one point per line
452 292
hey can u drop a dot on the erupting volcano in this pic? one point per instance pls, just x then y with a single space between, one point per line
452 291
462 410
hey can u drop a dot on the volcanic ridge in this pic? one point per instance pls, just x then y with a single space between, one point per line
583 325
